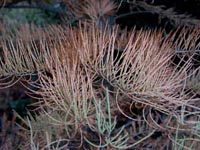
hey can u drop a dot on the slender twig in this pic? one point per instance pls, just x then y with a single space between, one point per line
187 51
133 13
14 2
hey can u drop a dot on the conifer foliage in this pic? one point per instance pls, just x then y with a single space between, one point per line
100 86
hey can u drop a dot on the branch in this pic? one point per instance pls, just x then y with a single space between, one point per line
187 51
13 2
134 13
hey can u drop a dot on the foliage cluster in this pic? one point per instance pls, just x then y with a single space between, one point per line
98 86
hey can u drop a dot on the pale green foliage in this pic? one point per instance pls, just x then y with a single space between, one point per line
194 81
188 141
106 129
